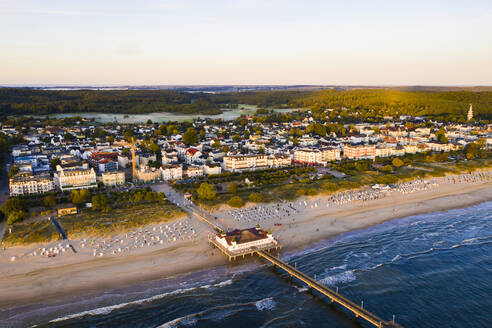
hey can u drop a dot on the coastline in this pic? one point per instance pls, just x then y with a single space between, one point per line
27 285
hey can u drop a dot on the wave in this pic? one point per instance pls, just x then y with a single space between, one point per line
396 258
265 304
340 267
344 277
108 309
301 289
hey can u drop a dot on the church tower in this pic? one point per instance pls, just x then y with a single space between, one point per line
470 113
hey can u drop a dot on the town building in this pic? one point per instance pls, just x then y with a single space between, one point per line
359 151
308 156
194 171
191 155
27 183
75 178
279 160
171 172
114 178
148 174
209 169
330 154
237 163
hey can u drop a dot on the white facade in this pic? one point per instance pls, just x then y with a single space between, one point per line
171 172
308 156
113 178
78 178
25 183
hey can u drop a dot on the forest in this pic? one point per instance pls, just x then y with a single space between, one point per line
37 102
373 103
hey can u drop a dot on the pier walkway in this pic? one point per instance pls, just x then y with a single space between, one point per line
206 217
334 296
61 231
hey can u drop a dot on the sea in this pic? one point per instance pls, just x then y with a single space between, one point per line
430 270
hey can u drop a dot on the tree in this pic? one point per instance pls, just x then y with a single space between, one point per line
49 201
16 216
397 162
79 196
55 162
101 203
237 138
216 144
13 171
255 197
441 136
125 152
128 135
11 205
153 147
235 201
206 191
110 139
472 150
232 187
190 137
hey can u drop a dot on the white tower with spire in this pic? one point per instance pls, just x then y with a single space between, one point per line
470 113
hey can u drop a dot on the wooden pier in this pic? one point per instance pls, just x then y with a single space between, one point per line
359 311
207 218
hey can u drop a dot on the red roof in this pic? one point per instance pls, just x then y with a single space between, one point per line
192 151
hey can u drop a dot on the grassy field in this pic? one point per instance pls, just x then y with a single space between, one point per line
92 223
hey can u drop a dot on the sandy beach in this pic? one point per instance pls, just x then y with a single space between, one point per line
29 278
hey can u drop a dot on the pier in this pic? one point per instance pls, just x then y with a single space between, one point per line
359 311
249 251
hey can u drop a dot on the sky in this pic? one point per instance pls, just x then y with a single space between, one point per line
196 42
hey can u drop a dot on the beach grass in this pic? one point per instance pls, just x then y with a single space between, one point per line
93 223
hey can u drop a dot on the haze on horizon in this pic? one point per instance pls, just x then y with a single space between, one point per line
159 42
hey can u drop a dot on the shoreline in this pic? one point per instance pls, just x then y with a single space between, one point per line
26 285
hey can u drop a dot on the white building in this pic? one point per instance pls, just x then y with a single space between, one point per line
279 160
26 183
237 163
308 156
148 174
359 152
115 178
330 154
238 241
75 178
212 169
171 172
194 171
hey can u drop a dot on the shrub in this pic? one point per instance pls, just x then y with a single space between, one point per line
49 201
329 186
235 201
255 197
387 168
397 162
